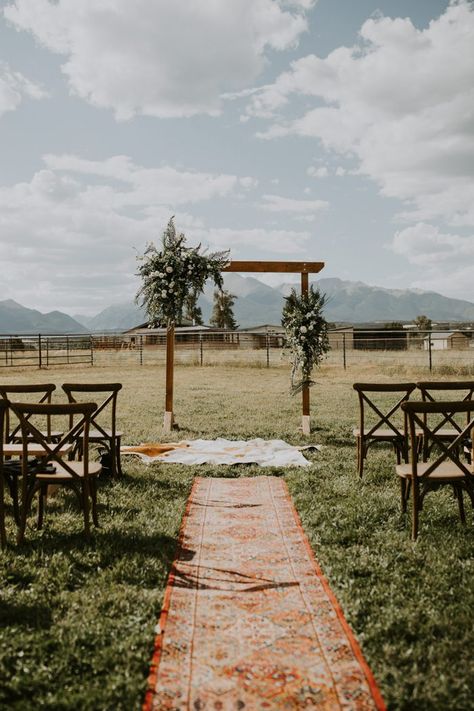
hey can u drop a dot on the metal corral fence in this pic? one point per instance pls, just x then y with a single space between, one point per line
433 350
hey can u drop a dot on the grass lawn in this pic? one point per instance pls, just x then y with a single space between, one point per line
77 618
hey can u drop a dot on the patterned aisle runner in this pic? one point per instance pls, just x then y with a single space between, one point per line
248 620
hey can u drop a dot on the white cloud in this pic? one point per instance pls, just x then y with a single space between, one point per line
278 203
160 58
321 172
426 245
284 242
445 260
67 236
14 87
402 102
148 186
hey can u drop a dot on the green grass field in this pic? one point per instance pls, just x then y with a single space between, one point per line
77 618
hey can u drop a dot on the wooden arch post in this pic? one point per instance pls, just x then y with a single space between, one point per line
303 268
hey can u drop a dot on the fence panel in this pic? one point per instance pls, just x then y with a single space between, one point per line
434 351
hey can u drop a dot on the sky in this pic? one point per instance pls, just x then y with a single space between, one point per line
329 130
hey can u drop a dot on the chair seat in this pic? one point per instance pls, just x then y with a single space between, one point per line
445 471
95 435
34 449
61 474
53 435
379 433
447 433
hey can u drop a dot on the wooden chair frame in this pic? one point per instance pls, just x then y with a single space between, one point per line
3 533
109 438
427 388
392 434
14 391
8 392
80 476
447 468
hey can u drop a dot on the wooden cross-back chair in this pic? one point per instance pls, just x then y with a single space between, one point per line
382 416
104 420
3 534
39 392
36 393
52 467
447 428
446 466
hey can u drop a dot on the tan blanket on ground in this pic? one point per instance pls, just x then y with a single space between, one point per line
266 453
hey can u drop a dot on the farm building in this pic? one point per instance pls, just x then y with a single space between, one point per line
444 340
260 336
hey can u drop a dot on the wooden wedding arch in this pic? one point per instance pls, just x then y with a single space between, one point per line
303 268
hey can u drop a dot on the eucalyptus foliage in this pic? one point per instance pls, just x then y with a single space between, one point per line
174 274
306 334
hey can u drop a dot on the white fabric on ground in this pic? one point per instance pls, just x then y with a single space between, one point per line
266 453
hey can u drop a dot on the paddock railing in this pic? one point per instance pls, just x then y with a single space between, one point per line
432 350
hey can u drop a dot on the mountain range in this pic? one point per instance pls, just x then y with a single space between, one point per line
17 319
256 304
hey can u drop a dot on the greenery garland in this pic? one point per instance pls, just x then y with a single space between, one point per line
306 334
175 273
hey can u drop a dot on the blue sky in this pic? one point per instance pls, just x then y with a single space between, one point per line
328 130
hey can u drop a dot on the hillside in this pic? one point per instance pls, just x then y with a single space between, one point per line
347 301
17 319
256 303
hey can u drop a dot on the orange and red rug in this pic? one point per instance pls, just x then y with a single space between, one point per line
248 620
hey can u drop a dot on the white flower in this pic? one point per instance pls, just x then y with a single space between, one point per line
164 293
155 274
303 329
160 275
310 327
169 269
171 283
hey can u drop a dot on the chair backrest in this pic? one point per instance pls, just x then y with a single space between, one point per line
382 401
39 392
54 451
423 417
432 391
107 408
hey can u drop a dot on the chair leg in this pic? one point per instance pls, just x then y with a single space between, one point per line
415 497
93 488
404 490
361 452
12 483
3 531
470 492
41 505
117 445
85 507
458 489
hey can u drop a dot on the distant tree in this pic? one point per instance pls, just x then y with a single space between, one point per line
394 326
222 312
193 312
423 323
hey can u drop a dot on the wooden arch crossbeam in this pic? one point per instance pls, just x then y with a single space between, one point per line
303 268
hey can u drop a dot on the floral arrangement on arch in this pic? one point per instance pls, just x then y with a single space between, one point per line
306 334
173 274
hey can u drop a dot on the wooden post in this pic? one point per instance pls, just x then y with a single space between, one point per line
306 420
168 419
